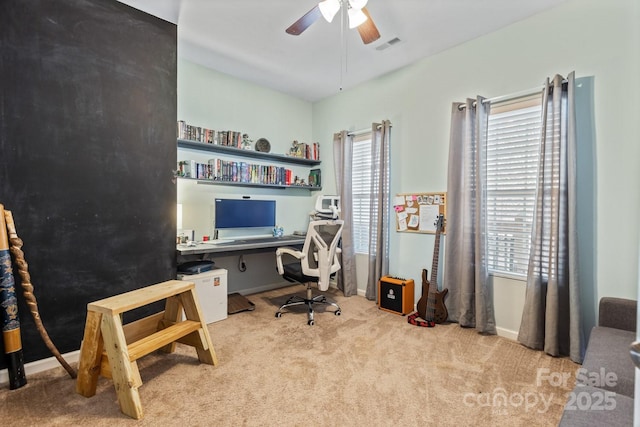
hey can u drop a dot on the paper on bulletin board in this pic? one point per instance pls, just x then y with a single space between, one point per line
402 220
402 224
428 217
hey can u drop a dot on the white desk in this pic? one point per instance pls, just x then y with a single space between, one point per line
240 244
259 253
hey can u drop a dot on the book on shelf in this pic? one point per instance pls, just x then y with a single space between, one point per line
315 178
305 151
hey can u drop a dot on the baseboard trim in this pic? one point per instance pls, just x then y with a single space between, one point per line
507 333
41 365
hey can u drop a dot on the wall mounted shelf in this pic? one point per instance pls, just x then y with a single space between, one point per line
250 184
246 154
251 154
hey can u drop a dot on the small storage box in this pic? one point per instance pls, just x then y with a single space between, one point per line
396 295
211 289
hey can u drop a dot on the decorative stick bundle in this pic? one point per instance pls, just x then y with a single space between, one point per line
9 308
7 226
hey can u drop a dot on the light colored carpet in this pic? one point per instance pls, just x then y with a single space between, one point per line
367 367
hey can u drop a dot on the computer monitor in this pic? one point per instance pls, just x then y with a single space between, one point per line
244 213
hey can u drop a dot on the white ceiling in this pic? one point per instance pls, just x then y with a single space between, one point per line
246 38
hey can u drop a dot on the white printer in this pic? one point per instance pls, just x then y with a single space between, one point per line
327 207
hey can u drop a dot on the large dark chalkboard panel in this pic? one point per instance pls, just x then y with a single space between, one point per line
87 142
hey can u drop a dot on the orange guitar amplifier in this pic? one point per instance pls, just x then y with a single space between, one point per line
395 295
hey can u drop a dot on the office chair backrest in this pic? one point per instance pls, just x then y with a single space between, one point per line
320 247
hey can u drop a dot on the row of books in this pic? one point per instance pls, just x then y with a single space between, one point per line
305 151
230 138
241 172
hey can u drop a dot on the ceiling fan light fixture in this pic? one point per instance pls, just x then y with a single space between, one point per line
329 8
356 17
358 4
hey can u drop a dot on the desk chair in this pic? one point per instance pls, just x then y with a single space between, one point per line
317 261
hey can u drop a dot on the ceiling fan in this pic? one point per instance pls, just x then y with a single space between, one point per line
357 12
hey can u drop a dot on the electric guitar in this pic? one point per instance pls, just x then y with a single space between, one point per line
431 306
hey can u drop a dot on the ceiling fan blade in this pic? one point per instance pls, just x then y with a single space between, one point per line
305 22
368 30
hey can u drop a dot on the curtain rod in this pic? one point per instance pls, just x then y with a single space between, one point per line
510 96
358 132
361 131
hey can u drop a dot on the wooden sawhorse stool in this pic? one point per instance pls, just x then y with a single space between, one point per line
124 344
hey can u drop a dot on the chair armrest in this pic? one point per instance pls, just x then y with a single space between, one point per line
617 313
286 250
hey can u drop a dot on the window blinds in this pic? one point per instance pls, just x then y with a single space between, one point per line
512 167
360 185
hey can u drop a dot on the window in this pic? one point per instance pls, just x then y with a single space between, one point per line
360 190
512 167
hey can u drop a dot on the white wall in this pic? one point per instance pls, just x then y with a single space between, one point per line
600 41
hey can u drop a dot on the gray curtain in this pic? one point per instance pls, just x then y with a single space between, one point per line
470 301
342 156
379 207
551 316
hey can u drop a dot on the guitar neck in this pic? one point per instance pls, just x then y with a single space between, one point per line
436 255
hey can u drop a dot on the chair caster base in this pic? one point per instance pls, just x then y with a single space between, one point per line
309 302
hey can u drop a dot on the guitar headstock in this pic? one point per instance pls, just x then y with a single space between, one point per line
439 223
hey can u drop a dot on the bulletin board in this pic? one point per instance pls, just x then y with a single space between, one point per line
418 212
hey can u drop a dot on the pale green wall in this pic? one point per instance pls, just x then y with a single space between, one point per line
597 39
214 100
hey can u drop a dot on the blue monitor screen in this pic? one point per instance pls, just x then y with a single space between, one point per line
234 213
